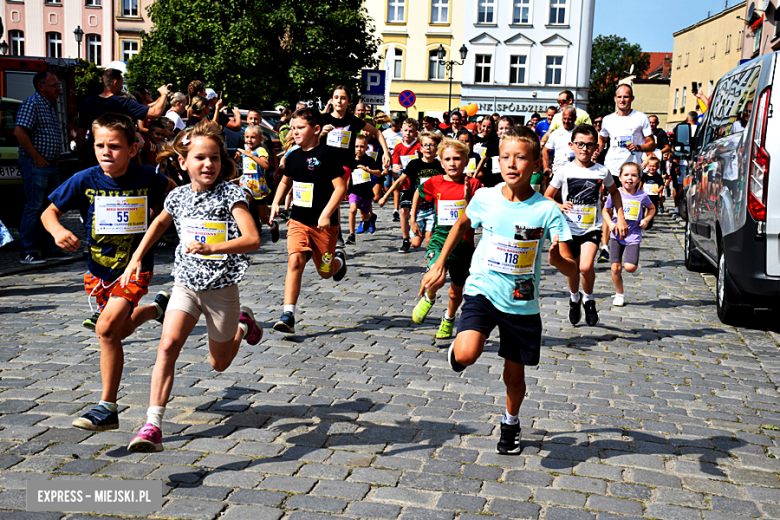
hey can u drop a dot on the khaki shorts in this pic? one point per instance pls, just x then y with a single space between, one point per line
221 307
320 246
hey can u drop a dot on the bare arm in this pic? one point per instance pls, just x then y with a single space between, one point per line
437 270
415 209
560 257
248 241
262 161
396 184
339 188
157 109
281 192
372 131
617 203
62 237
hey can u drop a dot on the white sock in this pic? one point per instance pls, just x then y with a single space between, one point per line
244 328
618 293
289 308
587 297
154 415
604 248
448 318
575 296
510 419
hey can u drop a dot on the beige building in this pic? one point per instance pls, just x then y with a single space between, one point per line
416 29
702 54
651 97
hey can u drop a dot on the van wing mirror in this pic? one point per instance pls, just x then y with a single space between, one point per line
681 140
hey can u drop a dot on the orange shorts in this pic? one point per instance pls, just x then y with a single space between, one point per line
102 291
320 245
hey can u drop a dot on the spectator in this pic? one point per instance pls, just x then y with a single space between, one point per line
444 126
284 120
566 99
40 142
542 127
455 124
661 139
429 124
468 125
199 108
360 111
178 110
220 116
195 88
496 116
533 121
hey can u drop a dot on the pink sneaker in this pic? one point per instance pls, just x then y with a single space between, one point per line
255 332
148 440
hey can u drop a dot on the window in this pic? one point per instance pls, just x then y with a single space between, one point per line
485 11
57 2
757 39
685 92
701 55
17 42
395 11
92 3
687 56
679 61
54 45
436 70
676 98
398 63
558 12
440 11
482 68
739 41
714 50
94 49
728 43
129 49
522 12
554 74
517 70
130 8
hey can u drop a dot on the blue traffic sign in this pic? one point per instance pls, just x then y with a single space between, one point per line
406 98
373 82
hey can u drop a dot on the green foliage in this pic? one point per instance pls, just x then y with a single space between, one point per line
88 79
611 60
257 52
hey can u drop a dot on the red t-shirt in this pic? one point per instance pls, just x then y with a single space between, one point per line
405 149
438 188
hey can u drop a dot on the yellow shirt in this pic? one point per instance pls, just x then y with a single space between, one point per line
582 119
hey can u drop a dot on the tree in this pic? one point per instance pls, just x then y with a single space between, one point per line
256 52
612 57
88 79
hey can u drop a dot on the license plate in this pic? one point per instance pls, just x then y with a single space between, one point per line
10 172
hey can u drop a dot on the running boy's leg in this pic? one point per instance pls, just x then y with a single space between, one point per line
587 268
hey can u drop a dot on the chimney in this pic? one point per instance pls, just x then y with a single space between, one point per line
667 67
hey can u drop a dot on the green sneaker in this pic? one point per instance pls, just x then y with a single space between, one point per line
422 309
445 329
91 322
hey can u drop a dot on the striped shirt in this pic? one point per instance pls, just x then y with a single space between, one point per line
38 116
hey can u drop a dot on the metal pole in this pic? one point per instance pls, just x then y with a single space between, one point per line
449 101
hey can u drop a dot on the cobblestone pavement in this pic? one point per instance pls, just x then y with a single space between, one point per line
659 412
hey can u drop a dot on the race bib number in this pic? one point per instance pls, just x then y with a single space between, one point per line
303 194
392 141
624 140
205 232
508 256
449 211
631 209
583 216
480 149
120 215
406 159
372 153
653 189
248 165
339 138
360 176
496 167
537 187
471 167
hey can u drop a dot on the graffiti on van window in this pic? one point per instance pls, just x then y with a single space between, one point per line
732 103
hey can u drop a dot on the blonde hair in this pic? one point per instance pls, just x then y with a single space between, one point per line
433 136
630 164
256 129
182 143
523 134
460 148
197 104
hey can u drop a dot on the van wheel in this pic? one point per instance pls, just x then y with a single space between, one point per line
727 312
694 261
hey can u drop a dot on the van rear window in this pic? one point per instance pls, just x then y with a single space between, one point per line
7 122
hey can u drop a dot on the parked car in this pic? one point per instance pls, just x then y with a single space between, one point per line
732 193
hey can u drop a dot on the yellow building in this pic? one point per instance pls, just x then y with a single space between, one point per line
703 53
416 29
651 97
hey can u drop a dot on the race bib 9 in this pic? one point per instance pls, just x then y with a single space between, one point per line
449 211
206 232
339 138
508 256
303 194
360 176
583 217
120 215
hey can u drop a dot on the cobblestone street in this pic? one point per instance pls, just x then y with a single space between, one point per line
660 411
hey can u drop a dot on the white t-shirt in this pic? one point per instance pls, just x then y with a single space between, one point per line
582 187
622 130
559 142
176 118
392 138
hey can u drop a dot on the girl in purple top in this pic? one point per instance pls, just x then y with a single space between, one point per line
639 211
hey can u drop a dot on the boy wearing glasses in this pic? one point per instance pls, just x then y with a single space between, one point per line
580 182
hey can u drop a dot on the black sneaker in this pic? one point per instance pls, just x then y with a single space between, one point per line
350 239
98 419
591 314
396 216
407 243
161 302
340 241
509 443
575 311
57 254
274 232
91 322
286 323
603 255
457 367
284 214
343 271
31 259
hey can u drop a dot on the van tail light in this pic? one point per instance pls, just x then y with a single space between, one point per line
759 161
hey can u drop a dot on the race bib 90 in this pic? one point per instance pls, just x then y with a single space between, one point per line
120 215
449 211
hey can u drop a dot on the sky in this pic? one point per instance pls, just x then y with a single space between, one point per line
651 23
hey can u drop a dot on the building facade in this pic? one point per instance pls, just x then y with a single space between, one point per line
702 54
46 28
523 53
762 33
651 90
413 30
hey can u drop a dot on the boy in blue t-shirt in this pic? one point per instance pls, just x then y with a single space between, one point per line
502 289
117 197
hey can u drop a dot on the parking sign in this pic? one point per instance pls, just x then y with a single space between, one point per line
373 91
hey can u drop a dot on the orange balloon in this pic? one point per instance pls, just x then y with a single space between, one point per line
472 109
464 107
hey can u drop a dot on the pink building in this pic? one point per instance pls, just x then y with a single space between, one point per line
46 28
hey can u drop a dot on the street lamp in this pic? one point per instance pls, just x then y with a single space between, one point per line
440 52
79 34
3 48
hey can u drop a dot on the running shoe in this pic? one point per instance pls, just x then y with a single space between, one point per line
31 259
360 229
340 241
286 323
421 310
396 216
274 232
445 329
350 239
454 365
405 246
372 223
603 255
343 271
161 302
91 322
618 300
575 311
254 330
148 440
591 314
98 419
509 442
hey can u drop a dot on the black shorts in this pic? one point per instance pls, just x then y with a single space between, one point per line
520 335
407 196
577 240
618 250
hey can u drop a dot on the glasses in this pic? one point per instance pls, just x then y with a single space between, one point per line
562 101
597 122
428 145
55 85
583 146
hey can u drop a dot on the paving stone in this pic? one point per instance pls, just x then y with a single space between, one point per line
372 510
312 503
251 513
191 509
514 509
461 502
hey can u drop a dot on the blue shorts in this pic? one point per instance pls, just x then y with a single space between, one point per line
426 219
520 334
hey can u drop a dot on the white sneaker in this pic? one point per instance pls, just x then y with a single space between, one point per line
618 300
